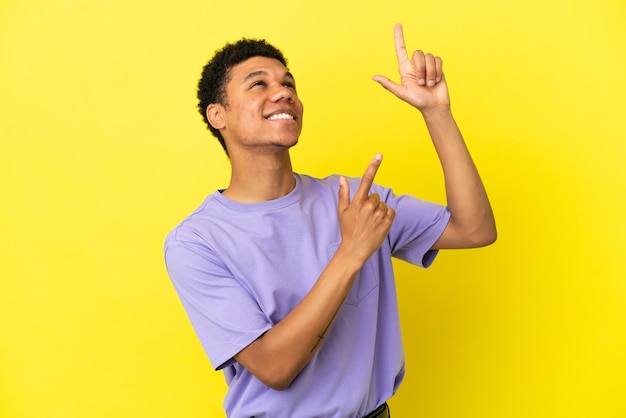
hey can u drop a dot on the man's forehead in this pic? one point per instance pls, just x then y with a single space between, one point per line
257 66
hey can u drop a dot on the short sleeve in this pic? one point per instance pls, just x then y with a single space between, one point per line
223 314
416 228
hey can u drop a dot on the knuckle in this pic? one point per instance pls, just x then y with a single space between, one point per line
368 177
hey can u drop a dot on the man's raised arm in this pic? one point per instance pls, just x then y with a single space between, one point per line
423 85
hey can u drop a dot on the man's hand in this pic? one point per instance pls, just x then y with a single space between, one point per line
365 222
422 81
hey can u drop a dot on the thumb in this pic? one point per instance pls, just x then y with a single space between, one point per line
389 85
344 196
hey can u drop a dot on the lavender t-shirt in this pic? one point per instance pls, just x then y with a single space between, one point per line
240 268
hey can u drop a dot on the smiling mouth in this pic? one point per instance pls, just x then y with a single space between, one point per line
281 116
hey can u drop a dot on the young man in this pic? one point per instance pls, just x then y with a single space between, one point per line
287 279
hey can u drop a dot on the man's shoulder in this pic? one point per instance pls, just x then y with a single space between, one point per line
188 225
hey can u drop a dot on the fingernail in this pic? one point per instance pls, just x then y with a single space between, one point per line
379 157
431 82
421 81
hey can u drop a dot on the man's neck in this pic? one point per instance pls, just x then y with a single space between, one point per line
261 177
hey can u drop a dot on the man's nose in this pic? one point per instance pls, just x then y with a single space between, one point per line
282 92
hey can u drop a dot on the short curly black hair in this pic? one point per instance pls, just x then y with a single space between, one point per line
216 73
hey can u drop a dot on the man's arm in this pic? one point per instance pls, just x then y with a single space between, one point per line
279 355
423 86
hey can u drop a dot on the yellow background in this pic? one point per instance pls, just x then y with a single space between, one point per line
103 153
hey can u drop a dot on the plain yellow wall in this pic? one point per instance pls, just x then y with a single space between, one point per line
103 153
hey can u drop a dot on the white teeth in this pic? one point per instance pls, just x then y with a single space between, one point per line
280 116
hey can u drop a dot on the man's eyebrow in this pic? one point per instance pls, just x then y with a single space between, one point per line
254 74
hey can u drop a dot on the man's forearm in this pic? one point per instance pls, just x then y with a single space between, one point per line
278 356
472 219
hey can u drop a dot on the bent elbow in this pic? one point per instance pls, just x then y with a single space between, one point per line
485 237
273 370
280 386
484 233
278 382
490 238
277 375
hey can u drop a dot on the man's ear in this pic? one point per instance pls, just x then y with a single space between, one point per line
214 115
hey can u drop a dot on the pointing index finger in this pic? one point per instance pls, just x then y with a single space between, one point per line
368 178
400 46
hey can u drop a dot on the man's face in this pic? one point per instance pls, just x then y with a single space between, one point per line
263 110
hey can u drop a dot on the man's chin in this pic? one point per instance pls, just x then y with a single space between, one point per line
285 144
